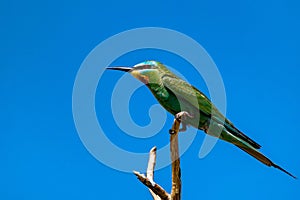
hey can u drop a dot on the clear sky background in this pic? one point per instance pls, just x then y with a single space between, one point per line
255 45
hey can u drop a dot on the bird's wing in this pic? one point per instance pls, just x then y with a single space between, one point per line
192 95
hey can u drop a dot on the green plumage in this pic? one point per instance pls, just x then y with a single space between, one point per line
194 102
176 95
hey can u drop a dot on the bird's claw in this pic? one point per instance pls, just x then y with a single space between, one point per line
183 115
183 127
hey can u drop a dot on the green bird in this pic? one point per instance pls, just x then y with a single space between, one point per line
178 96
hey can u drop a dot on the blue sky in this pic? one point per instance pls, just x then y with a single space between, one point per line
43 43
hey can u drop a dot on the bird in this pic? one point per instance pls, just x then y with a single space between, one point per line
179 97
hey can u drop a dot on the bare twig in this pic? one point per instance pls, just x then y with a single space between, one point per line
151 163
176 171
157 189
150 170
157 192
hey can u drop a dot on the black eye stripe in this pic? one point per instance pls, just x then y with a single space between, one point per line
144 67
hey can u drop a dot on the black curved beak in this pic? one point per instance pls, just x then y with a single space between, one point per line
124 69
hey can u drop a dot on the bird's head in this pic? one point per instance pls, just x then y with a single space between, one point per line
147 72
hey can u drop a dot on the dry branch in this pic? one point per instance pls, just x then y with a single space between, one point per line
157 189
157 192
150 171
176 172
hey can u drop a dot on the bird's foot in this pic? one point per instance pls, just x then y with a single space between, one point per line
182 129
182 116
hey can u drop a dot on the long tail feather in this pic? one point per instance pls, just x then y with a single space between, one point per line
262 158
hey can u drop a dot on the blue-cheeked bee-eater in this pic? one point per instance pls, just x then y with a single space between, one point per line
177 96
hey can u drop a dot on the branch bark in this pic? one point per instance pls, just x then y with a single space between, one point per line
176 171
155 188
157 192
150 171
